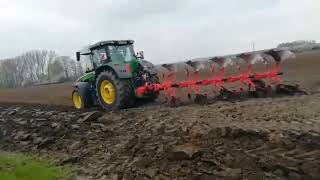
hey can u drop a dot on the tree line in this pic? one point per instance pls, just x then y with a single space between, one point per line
302 45
37 67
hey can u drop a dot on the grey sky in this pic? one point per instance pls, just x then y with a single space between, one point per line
167 30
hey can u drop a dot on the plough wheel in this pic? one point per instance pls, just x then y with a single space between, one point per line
261 90
201 99
289 89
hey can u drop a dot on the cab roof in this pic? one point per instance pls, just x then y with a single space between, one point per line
111 42
87 50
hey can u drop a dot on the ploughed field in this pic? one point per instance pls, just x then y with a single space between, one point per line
266 139
256 138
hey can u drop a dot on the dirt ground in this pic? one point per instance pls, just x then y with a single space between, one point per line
273 138
258 138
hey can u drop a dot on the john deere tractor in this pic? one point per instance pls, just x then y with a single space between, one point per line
116 74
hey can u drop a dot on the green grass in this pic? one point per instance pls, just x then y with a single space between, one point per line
22 167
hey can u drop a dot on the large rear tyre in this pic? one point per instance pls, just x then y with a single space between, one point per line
113 93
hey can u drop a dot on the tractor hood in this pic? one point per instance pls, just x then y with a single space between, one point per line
87 77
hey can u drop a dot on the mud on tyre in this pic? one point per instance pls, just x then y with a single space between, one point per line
81 99
113 93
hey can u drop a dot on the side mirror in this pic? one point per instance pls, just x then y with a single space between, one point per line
140 54
78 56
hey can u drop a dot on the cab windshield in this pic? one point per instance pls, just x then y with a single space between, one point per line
121 53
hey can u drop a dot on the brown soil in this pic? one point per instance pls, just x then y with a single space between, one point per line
57 94
262 138
266 139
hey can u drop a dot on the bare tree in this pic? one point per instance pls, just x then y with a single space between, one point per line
8 71
79 68
56 71
20 71
37 63
299 46
66 64
73 68
50 58
37 66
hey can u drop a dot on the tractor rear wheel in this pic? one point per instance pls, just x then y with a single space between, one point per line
113 93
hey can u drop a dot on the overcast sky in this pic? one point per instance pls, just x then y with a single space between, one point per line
167 30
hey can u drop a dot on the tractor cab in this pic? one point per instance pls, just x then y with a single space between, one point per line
119 52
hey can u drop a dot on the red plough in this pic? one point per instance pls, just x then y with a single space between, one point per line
262 82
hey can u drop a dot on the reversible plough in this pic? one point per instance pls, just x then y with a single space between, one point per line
251 81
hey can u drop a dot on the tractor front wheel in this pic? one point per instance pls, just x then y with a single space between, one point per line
77 99
113 93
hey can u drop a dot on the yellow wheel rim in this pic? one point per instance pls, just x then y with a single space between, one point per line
77 100
108 92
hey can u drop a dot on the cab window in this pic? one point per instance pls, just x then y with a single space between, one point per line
121 53
98 56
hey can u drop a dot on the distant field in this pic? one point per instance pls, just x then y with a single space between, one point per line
58 94
304 70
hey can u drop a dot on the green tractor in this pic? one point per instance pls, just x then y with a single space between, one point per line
116 74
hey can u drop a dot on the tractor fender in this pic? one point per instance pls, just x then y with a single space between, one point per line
86 90
121 70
